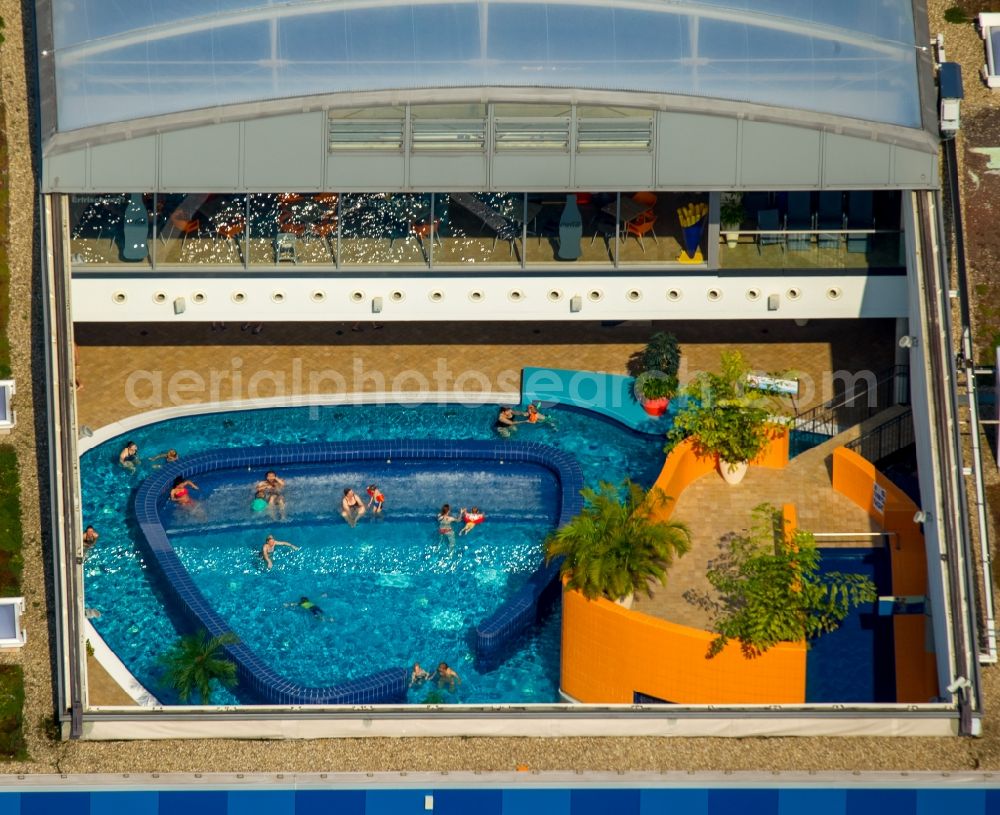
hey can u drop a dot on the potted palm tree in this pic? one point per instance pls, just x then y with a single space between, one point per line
731 216
196 661
725 418
615 547
655 371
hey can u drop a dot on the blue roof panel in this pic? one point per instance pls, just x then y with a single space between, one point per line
853 58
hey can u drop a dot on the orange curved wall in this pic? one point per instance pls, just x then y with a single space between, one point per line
855 477
683 466
609 652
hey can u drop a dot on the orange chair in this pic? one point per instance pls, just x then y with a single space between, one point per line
647 198
640 226
182 222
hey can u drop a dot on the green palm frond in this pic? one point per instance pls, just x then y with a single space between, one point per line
615 546
195 661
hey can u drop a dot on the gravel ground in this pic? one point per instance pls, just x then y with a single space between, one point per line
610 754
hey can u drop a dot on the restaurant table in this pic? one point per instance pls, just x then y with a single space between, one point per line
630 210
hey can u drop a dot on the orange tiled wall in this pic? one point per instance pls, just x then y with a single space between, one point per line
855 477
608 652
683 466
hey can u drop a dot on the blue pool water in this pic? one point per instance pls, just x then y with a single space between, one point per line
393 594
855 663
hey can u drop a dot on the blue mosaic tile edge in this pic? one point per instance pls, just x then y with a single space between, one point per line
494 636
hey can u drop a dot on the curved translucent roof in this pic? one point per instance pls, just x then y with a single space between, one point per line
124 59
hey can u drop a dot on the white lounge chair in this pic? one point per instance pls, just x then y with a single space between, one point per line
989 28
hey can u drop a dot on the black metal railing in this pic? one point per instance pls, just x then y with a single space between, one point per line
888 438
858 400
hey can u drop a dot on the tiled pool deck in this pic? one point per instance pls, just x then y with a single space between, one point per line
121 364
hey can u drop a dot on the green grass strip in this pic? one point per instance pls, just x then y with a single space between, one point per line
11 559
12 744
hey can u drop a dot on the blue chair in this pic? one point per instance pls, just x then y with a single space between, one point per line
799 217
753 203
830 216
859 216
769 222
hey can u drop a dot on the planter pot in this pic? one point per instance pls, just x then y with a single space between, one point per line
656 407
732 236
626 602
733 472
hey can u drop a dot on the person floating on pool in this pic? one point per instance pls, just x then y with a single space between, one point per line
273 492
352 507
446 676
418 675
308 605
375 497
170 457
129 456
471 518
268 549
445 520
90 536
505 423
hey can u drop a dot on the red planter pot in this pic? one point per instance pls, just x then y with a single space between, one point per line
656 407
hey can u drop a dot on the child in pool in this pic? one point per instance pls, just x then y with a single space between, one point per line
471 518
307 604
376 497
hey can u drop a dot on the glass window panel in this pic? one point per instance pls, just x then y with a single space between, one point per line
652 226
200 229
383 229
479 229
449 127
559 229
527 110
777 232
359 135
110 229
521 134
615 134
